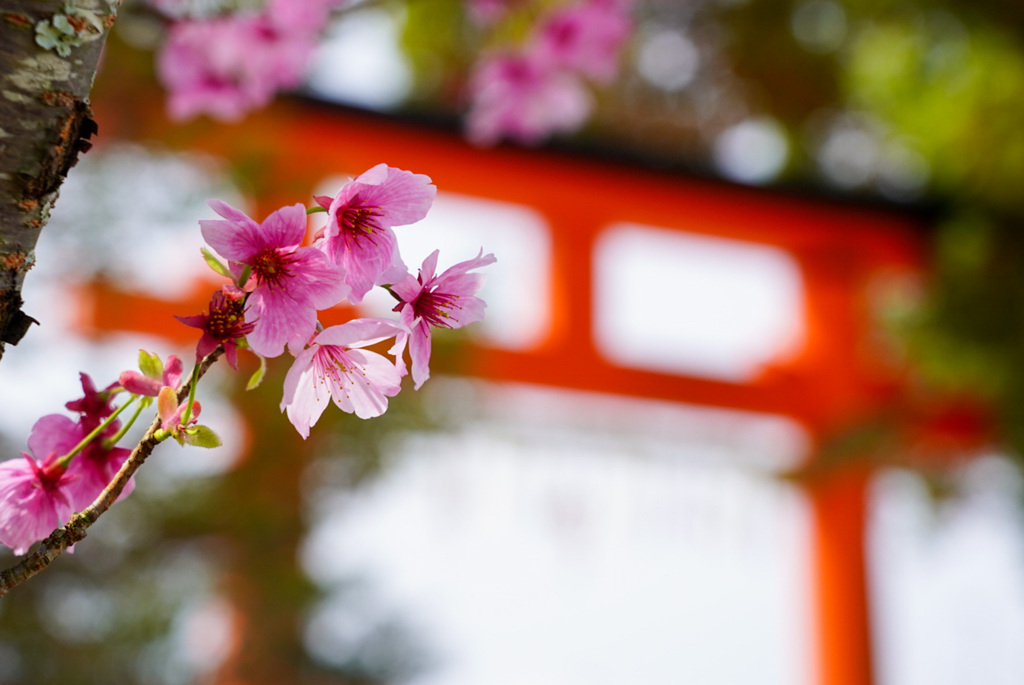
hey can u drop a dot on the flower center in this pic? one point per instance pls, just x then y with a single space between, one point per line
360 219
435 308
227 319
271 267
48 474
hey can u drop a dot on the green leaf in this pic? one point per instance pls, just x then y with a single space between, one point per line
150 365
257 376
202 436
217 265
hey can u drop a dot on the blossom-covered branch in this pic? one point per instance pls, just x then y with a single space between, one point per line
276 286
78 524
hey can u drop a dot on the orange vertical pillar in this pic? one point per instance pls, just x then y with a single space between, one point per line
844 646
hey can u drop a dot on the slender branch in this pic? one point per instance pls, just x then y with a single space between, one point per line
75 530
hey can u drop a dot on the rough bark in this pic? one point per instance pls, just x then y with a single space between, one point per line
45 122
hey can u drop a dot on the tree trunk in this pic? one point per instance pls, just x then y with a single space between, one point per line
45 122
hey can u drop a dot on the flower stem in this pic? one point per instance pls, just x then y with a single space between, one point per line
66 459
191 395
243 278
110 442
315 210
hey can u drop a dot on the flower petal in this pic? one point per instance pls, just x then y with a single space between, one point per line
279 320
404 197
316 280
236 239
359 332
304 397
285 227
419 353
368 380
54 433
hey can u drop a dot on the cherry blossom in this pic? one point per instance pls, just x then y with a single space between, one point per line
445 301
288 283
333 367
358 233
224 324
34 495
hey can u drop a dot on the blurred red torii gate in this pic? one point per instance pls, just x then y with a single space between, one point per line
840 249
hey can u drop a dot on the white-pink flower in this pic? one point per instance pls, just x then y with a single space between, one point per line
34 494
334 367
358 233
288 283
445 301
523 97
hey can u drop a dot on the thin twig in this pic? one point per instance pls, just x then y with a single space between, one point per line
75 529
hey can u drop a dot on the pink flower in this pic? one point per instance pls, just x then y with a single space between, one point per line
358 234
523 97
91 470
150 384
223 325
288 283
34 496
585 38
445 301
332 367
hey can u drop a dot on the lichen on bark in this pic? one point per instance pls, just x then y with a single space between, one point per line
47 123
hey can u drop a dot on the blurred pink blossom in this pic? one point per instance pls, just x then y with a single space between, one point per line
227 65
585 38
539 88
523 97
